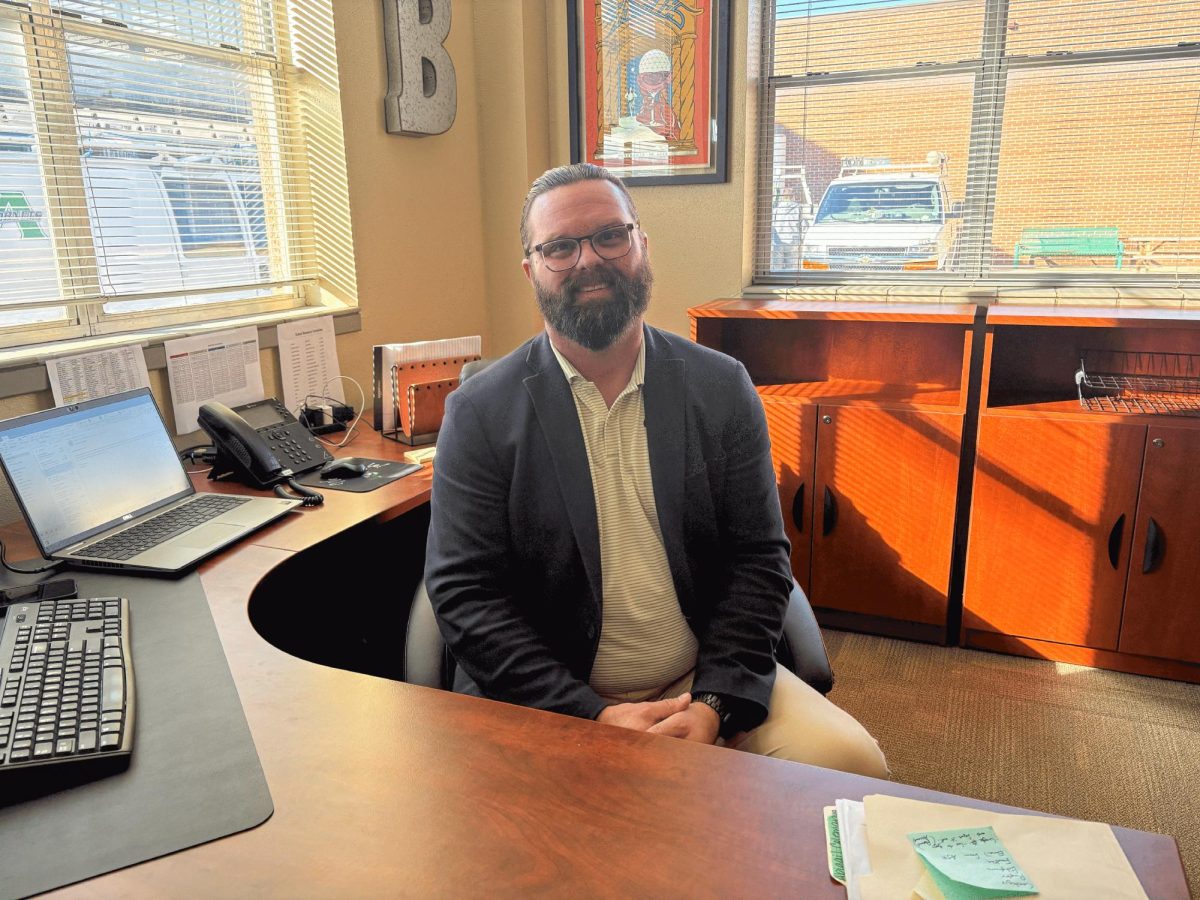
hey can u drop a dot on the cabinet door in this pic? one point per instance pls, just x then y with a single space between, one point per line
792 427
1162 602
1051 527
886 482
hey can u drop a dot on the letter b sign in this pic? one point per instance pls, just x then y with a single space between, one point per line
422 95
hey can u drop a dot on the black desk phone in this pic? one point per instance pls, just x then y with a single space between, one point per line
260 443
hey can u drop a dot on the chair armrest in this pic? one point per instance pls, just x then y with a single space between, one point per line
802 649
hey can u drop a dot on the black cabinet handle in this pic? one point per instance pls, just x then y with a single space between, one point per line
830 512
798 508
1156 545
1114 541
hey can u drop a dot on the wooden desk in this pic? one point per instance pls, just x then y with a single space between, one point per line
385 789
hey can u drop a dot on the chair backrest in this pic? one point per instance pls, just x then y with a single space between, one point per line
426 659
801 648
474 367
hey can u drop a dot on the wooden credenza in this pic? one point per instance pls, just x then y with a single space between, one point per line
1084 544
1069 529
866 407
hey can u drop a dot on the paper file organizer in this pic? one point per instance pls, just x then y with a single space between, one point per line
419 391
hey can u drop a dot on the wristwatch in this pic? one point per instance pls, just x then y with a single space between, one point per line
723 710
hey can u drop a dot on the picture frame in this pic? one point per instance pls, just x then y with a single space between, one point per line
649 86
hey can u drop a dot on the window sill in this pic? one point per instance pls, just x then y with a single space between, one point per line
984 294
23 370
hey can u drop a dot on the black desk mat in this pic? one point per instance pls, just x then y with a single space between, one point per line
194 775
378 473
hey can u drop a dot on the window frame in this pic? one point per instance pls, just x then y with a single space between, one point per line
991 70
45 36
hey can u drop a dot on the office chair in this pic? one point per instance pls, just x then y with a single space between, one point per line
473 367
801 648
427 661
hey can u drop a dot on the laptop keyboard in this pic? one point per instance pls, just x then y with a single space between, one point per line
152 532
66 682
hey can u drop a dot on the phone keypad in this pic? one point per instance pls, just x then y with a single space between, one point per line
301 454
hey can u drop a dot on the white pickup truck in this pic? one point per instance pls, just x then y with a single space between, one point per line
880 217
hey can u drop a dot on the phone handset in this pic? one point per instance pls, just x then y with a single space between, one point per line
242 453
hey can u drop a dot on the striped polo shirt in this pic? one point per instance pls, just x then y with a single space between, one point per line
645 642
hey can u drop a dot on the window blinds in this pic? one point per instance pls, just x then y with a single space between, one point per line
979 139
163 156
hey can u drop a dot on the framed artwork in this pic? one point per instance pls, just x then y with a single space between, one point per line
649 86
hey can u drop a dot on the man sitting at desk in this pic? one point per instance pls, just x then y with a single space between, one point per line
606 539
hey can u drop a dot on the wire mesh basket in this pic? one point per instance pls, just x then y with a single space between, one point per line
1135 381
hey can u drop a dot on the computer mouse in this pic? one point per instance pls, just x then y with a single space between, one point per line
342 468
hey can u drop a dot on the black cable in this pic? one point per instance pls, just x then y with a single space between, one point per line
333 401
306 497
206 452
50 568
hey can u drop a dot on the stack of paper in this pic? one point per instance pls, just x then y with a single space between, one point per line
888 847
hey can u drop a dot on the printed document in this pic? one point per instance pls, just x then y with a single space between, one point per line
87 376
222 366
308 362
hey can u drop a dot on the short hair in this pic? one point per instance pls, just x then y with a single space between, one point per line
561 177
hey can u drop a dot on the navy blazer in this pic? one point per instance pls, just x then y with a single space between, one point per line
513 558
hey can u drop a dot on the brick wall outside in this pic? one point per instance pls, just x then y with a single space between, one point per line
1086 145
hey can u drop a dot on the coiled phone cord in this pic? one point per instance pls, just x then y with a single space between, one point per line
305 496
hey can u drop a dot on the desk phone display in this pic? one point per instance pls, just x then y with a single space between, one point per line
259 440
291 442
66 688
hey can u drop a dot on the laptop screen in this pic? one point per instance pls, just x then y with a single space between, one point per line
77 470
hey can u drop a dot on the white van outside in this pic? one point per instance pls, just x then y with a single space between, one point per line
877 216
157 224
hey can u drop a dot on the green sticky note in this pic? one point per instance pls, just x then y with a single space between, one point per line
833 846
970 863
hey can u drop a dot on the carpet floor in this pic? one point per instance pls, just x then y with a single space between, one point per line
1069 740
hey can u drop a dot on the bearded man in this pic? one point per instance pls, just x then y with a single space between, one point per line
606 539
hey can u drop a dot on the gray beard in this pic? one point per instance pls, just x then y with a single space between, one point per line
596 324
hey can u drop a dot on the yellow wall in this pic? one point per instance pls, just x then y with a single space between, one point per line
416 203
420 205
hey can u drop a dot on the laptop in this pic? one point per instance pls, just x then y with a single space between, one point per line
102 487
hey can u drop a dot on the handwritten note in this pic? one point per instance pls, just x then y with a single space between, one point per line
833 846
969 863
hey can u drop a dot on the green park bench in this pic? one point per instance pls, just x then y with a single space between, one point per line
1054 241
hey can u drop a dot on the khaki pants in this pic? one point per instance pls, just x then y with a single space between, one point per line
802 726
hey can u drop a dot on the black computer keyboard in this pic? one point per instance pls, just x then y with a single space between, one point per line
66 682
152 532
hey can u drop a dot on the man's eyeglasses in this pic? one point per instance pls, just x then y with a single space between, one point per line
561 254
